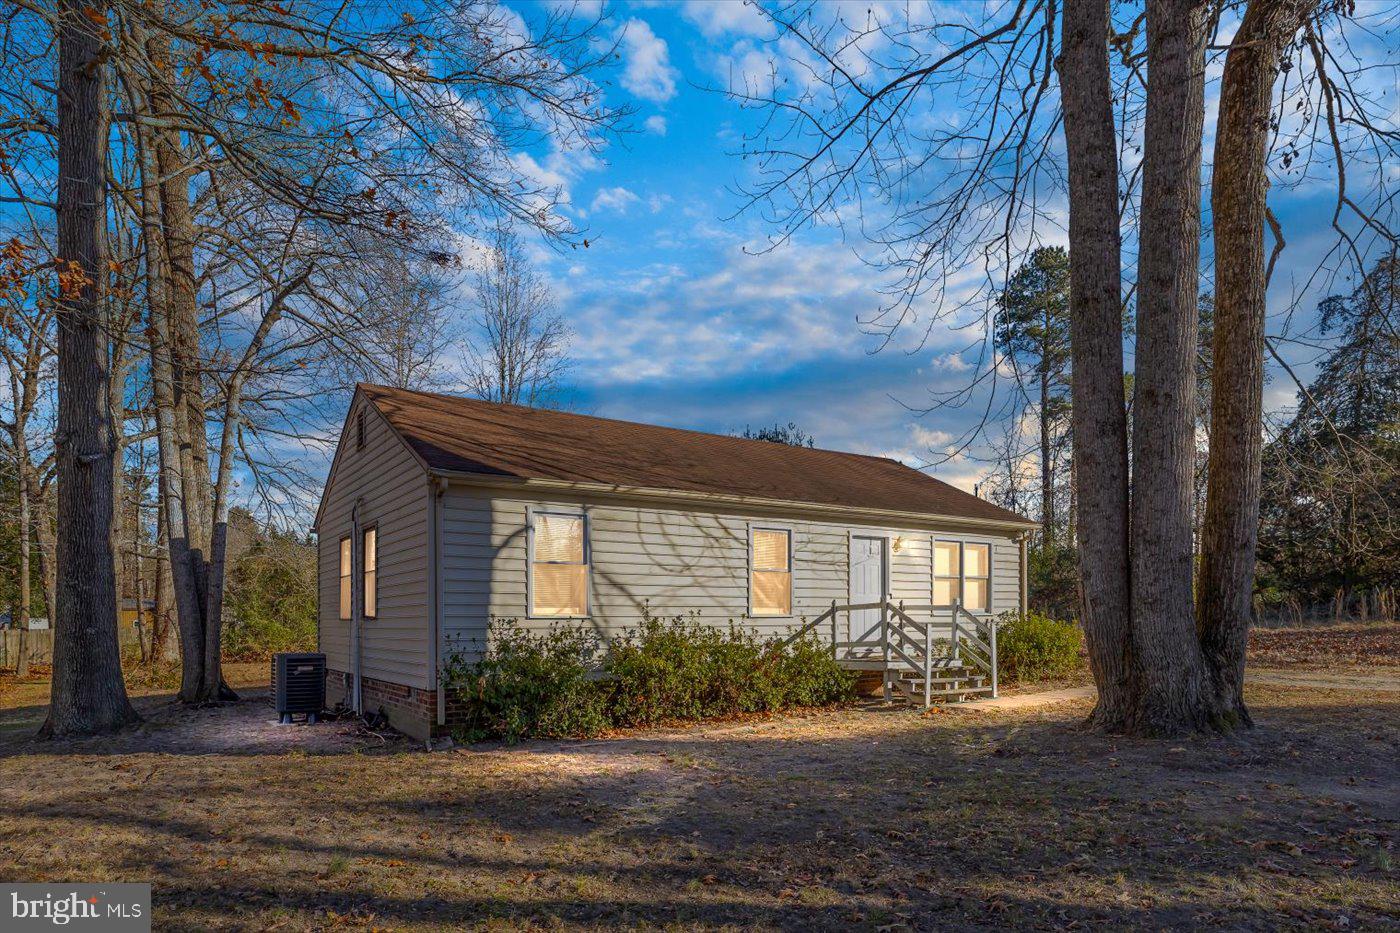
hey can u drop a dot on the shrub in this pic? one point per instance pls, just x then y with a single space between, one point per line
561 684
529 685
271 599
1034 647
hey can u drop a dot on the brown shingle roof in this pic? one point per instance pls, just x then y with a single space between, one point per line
465 435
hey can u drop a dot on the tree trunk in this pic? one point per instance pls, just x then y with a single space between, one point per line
26 522
160 625
88 695
171 439
46 538
1173 696
1047 479
1096 337
1239 190
193 547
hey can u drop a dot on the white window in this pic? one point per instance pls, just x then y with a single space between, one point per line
947 573
770 574
369 562
962 572
344 578
559 555
977 577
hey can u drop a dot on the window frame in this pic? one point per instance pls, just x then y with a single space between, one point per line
345 579
562 512
936 576
366 574
750 570
986 577
360 430
962 575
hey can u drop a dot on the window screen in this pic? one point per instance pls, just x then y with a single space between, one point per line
558 565
770 583
369 560
344 578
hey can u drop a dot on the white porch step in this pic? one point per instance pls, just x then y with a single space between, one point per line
915 691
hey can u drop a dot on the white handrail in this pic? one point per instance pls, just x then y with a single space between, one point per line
976 634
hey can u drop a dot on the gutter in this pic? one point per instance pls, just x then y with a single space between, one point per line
357 604
673 495
1025 573
437 486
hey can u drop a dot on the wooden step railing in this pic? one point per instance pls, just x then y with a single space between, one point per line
907 643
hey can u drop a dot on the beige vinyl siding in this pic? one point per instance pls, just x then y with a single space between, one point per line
394 490
1006 575
672 560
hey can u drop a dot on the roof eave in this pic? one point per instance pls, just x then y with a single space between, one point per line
680 495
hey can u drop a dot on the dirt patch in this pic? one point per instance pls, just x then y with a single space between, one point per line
856 819
24 700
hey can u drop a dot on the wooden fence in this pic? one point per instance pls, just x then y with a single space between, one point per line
39 644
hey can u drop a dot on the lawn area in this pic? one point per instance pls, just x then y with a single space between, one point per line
863 818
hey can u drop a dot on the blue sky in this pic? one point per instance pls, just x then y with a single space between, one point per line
679 321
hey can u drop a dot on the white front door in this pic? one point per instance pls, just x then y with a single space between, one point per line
867 586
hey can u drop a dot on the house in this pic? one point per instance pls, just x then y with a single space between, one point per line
442 513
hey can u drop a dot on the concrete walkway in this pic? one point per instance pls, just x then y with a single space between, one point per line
1366 683
1027 700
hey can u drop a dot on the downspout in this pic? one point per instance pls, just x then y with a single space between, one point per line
356 605
1025 574
437 488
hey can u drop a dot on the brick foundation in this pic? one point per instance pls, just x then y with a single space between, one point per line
411 710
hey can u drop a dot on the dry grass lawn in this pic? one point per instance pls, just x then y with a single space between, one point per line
861 818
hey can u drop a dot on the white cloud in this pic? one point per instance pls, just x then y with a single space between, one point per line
930 437
648 73
656 124
617 199
715 18
557 170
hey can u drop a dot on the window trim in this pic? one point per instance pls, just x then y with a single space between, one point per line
962 577
791 565
987 609
562 512
365 532
345 578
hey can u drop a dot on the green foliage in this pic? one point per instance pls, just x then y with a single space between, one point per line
1035 647
1053 575
562 684
529 685
1331 476
682 669
271 598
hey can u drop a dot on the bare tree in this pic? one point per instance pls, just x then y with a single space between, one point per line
26 348
88 694
1238 208
1170 667
850 115
519 353
1099 419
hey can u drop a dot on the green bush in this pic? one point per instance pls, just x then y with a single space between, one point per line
1034 647
561 684
271 599
529 685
